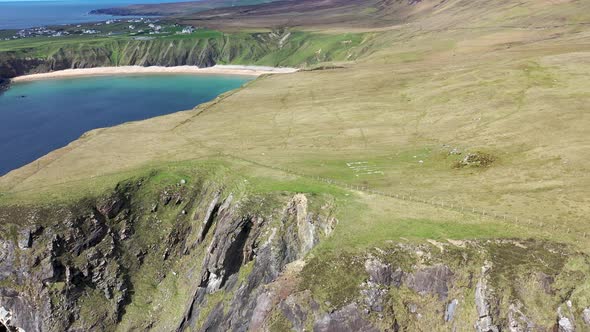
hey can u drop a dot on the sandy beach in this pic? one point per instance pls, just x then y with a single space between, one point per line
130 70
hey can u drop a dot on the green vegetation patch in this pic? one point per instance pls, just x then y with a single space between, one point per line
334 278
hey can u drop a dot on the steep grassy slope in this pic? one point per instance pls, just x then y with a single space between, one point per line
204 48
468 106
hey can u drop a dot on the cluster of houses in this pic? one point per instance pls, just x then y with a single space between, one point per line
39 31
43 31
152 28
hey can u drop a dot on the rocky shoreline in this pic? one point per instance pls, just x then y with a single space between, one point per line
4 84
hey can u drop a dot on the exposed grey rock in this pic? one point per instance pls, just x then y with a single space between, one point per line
209 216
214 319
18 313
305 228
517 321
482 303
294 313
61 262
235 242
379 272
382 274
264 305
565 325
433 280
586 316
111 207
349 318
373 295
25 238
565 321
126 230
7 256
450 310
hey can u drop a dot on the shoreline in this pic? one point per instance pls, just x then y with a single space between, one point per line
131 70
4 84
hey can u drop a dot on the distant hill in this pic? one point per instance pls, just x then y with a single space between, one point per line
175 8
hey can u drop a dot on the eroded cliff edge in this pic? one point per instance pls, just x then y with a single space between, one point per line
196 253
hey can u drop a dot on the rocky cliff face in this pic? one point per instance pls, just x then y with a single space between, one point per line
76 267
136 53
196 255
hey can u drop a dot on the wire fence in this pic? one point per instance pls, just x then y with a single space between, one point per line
434 202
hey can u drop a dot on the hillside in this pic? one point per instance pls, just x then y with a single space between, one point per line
429 173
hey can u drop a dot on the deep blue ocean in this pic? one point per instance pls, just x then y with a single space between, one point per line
27 14
40 116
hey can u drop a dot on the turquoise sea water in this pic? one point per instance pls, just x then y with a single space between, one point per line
27 14
41 116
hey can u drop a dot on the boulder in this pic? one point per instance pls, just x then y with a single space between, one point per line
565 325
450 310
565 322
586 316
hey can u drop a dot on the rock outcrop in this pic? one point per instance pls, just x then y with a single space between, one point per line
4 84
348 318
90 252
483 302
237 241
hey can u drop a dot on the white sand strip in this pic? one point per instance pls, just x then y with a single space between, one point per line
130 70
